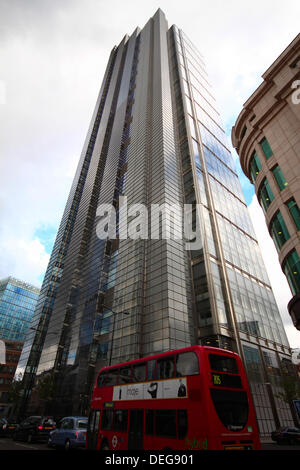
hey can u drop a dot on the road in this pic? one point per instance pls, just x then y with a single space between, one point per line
10 445
273 446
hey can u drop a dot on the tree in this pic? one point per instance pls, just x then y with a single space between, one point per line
290 391
14 393
46 389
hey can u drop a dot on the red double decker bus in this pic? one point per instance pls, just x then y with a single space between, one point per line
195 398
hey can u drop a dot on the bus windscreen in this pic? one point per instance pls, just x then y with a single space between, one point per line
223 363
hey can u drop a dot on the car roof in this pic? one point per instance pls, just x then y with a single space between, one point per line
288 427
75 417
41 418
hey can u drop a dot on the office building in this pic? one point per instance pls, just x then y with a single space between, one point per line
266 136
17 303
155 138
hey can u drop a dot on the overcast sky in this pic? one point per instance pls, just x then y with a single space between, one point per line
53 56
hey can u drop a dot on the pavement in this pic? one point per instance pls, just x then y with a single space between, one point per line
269 445
266 440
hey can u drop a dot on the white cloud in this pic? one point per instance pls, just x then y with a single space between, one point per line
24 259
278 280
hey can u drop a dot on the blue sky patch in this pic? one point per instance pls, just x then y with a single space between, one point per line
247 187
46 235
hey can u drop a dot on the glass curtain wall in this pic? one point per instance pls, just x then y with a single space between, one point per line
231 283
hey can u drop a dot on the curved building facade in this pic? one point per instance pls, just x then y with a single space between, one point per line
266 136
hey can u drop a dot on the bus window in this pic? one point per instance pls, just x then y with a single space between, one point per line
120 420
165 367
182 423
107 419
187 364
93 423
223 363
112 377
125 375
139 372
92 429
149 425
165 423
100 380
108 377
151 369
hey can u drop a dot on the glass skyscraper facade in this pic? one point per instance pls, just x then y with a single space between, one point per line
17 304
155 139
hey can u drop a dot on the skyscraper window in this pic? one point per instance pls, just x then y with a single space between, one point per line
265 195
291 269
266 148
279 177
279 231
255 166
294 211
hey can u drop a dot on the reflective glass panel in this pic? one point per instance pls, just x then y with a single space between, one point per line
278 231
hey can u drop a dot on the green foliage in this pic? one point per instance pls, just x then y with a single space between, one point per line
46 388
14 392
291 389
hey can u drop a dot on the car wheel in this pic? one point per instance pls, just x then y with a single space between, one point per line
67 445
49 443
30 438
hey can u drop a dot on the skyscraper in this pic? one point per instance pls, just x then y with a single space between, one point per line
155 141
267 138
17 303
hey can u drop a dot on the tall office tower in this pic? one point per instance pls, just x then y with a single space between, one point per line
267 138
17 304
155 141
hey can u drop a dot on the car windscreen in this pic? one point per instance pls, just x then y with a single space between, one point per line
12 420
35 419
48 421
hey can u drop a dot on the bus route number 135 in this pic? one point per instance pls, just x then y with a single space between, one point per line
217 379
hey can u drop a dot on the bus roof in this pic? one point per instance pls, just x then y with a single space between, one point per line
155 356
